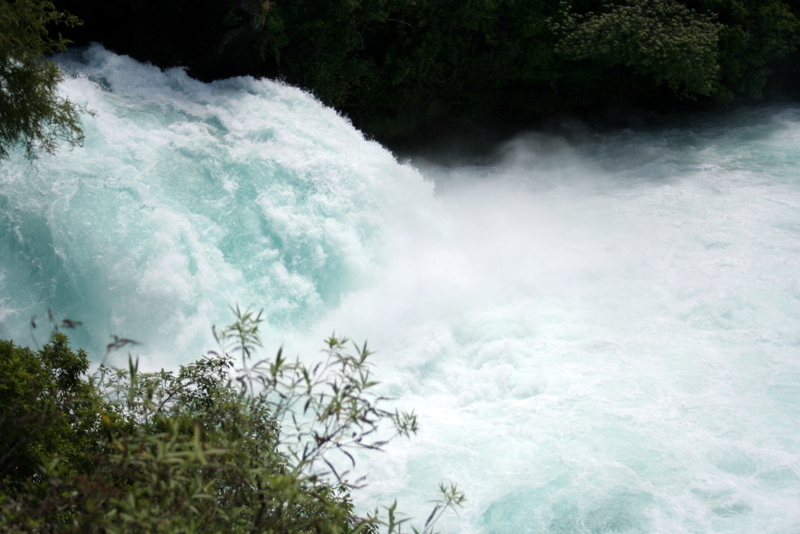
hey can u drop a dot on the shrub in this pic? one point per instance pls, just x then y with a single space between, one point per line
210 448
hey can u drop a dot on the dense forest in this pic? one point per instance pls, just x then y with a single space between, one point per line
399 67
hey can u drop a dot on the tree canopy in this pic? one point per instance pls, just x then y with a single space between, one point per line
32 113
661 39
395 66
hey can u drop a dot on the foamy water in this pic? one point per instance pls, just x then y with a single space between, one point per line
600 333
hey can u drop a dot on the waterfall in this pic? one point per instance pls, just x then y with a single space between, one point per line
600 332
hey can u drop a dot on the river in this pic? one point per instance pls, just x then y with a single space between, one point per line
599 331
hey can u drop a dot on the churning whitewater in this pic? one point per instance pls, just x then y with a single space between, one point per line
600 333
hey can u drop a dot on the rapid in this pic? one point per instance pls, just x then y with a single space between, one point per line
599 332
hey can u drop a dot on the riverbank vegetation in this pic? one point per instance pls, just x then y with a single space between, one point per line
230 443
32 114
397 67
401 69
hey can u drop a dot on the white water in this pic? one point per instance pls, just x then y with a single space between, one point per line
599 336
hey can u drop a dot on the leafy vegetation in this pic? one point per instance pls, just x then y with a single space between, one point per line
32 114
263 447
395 65
754 35
660 39
46 410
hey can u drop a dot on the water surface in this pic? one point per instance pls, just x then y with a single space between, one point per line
599 332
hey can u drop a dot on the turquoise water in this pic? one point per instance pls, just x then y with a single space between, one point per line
599 332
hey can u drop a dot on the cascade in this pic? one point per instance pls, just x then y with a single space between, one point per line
598 331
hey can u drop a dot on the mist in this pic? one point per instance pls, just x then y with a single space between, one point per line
597 329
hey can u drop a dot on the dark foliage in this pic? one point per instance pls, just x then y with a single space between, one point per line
395 66
32 114
209 448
